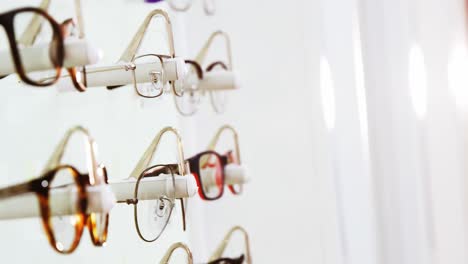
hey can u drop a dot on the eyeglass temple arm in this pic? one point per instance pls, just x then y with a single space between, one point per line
57 155
135 43
202 54
34 27
222 247
214 142
173 248
15 190
238 260
148 155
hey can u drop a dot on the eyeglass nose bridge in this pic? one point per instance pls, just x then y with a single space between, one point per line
131 201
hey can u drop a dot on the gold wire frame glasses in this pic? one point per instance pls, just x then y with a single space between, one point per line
217 256
130 53
164 205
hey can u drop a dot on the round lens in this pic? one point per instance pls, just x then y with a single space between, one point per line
152 213
99 221
187 93
180 5
218 98
43 62
211 175
209 7
66 209
190 82
150 79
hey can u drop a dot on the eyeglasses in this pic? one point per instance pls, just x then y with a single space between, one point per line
152 215
216 258
67 29
158 81
208 168
233 155
64 231
97 223
219 252
157 78
11 21
184 5
189 104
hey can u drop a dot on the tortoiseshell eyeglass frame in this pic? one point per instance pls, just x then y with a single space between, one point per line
29 36
97 176
41 187
57 51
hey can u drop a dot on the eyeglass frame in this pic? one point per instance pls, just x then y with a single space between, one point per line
41 187
31 33
216 256
93 167
212 146
143 165
58 56
227 238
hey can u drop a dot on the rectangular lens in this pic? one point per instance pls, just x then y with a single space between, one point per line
211 175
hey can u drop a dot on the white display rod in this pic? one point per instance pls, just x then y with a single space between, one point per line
174 70
151 188
78 52
62 201
234 174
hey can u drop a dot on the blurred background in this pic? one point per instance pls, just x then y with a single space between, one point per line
352 120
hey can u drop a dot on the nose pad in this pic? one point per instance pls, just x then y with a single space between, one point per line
157 80
160 209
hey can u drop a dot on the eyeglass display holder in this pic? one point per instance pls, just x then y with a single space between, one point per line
63 200
234 173
78 52
174 69
154 187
